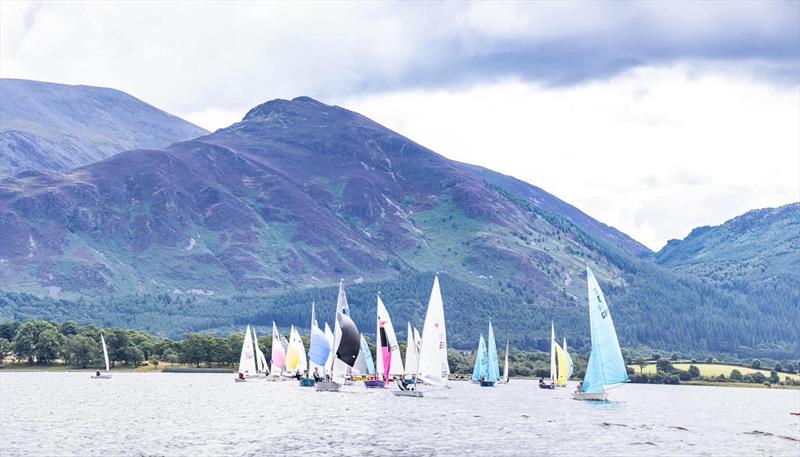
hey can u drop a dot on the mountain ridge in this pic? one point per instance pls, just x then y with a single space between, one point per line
55 127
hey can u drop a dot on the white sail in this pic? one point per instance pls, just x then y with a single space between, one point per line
417 341
331 356
105 353
505 365
433 367
301 348
261 361
553 373
396 365
411 353
247 360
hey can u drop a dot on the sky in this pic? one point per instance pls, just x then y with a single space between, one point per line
653 117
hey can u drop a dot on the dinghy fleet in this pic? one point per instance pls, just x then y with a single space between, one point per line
342 356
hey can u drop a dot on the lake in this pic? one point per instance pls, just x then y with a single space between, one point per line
66 413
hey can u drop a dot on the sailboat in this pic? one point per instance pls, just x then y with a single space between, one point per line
387 356
364 364
412 353
346 345
606 367
296 354
247 359
432 366
318 352
553 367
480 372
331 355
565 365
505 378
278 357
107 374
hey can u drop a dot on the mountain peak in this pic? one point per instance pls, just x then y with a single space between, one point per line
301 107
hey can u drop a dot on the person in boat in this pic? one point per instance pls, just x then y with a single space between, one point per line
241 375
401 384
542 383
98 374
580 387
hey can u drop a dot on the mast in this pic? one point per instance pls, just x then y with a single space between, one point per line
552 353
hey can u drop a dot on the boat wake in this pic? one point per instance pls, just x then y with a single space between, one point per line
760 433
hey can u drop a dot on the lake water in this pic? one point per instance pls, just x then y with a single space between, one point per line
61 414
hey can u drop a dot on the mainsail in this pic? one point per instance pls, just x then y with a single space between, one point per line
505 366
411 353
491 347
318 351
105 352
481 369
570 364
247 359
331 355
340 366
296 354
606 366
320 367
384 321
553 373
349 344
433 367
364 362
563 365
261 361
278 358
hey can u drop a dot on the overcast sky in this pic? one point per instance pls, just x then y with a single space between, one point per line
651 117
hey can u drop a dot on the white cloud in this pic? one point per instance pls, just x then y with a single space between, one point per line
641 139
653 152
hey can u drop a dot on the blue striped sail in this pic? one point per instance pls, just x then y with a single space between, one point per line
367 356
494 367
606 366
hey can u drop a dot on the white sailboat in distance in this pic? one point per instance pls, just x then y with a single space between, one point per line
107 374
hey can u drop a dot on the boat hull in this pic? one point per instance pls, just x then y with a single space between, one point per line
307 382
487 383
327 386
407 393
240 380
547 386
102 376
374 384
590 396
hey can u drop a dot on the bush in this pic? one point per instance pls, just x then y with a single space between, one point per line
684 375
756 364
694 372
664 366
736 375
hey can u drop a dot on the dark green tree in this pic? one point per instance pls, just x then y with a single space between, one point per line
694 372
736 375
664 366
37 339
756 364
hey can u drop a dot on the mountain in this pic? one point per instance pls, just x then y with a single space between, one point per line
57 127
757 253
255 220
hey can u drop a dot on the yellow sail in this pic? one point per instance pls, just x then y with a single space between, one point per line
563 365
292 352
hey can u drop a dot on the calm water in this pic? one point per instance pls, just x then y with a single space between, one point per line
59 414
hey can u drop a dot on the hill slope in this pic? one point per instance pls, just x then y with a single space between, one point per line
56 127
273 210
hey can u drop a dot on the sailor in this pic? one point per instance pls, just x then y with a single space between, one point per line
98 373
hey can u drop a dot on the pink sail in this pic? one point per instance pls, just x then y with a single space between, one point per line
386 353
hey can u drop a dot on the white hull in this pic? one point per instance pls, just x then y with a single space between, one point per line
102 376
601 396
407 393
327 386
240 380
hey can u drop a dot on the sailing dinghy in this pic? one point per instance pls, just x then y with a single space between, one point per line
107 374
247 359
278 357
553 367
432 366
387 352
505 378
565 365
318 352
606 367
346 345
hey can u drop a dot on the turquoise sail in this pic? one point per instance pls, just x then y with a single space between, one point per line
481 362
494 366
606 366
367 356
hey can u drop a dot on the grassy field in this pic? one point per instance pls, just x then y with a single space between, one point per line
713 369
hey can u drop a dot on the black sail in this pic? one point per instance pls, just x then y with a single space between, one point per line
350 342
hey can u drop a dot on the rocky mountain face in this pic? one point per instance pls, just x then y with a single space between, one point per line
56 127
296 194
